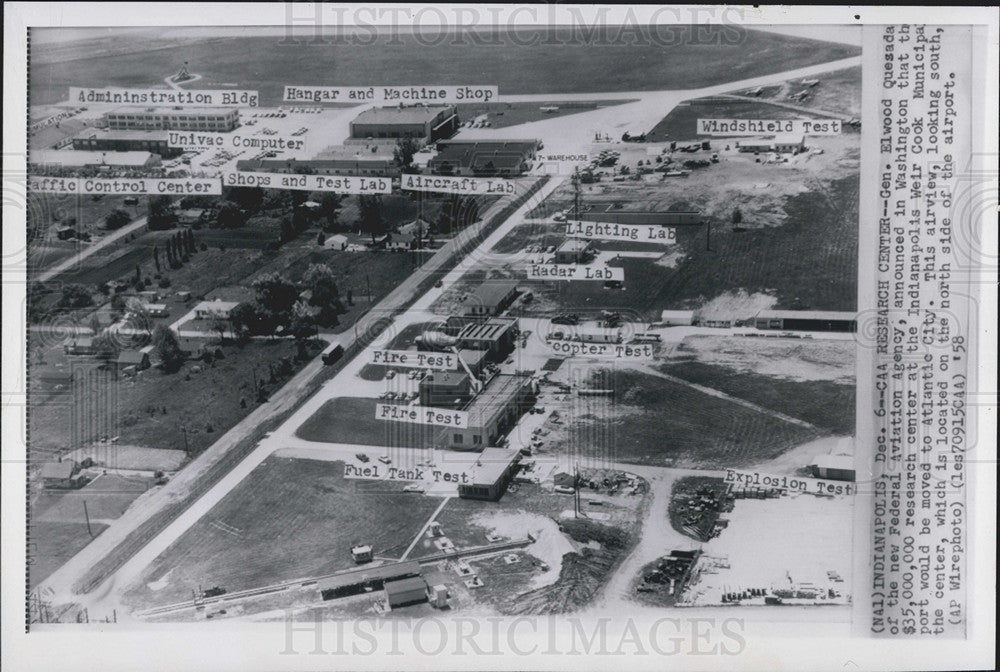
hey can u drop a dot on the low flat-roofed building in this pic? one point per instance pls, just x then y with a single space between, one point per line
490 298
492 413
492 472
136 359
86 159
677 318
356 581
80 346
210 309
497 335
402 592
57 474
445 389
475 360
106 140
219 119
574 251
834 467
664 218
368 165
426 123
484 158
789 143
806 320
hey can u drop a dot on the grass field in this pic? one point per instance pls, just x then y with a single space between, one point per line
682 122
546 60
52 544
824 403
352 420
659 422
107 497
151 409
289 518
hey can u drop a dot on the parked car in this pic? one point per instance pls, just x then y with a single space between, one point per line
565 490
361 457
414 487
384 459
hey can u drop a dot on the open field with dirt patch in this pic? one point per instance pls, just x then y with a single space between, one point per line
656 421
827 404
289 518
154 409
501 115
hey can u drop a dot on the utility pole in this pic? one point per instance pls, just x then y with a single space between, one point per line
368 282
86 515
708 235
576 192
184 431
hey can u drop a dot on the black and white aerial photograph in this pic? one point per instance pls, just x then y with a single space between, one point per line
378 323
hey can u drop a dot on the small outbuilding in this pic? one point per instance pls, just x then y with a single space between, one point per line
834 467
134 359
58 474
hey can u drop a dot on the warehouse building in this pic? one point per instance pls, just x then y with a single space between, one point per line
491 474
490 298
574 251
806 320
69 159
58 474
219 119
104 140
497 336
402 592
492 413
481 158
426 123
365 579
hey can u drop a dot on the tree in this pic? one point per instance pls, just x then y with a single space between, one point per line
302 327
160 215
116 219
737 217
168 349
230 216
321 239
106 346
95 324
371 215
243 321
249 199
329 206
403 153
75 296
321 281
220 325
156 258
275 297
